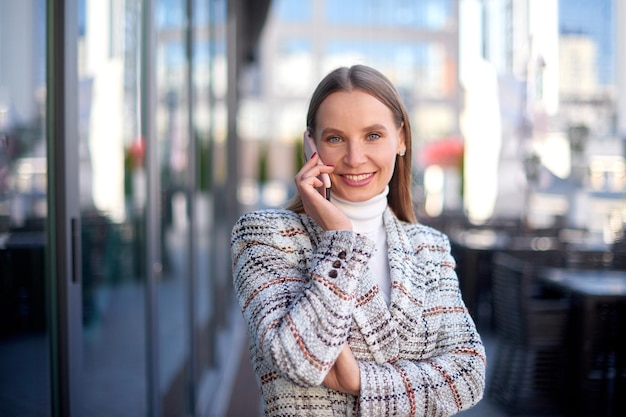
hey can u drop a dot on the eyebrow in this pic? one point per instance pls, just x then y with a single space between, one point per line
375 126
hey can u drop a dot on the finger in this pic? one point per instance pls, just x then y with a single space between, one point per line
306 181
308 165
317 171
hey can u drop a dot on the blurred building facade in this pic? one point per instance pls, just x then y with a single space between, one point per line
590 112
414 43
561 155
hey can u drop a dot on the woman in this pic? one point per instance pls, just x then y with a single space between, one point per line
352 307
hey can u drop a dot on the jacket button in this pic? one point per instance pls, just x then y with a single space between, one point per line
337 264
342 254
332 273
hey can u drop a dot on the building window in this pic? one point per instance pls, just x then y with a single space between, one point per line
426 14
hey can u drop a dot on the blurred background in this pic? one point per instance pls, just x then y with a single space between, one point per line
133 133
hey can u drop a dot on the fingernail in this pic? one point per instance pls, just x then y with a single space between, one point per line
313 156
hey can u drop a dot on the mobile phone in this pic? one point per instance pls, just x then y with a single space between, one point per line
309 149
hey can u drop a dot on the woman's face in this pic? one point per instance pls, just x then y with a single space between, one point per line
357 134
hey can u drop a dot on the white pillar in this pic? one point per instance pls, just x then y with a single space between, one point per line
543 22
480 119
620 65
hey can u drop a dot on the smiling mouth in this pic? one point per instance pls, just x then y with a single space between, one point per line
358 177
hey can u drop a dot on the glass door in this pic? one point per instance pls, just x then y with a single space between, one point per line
113 200
176 170
24 331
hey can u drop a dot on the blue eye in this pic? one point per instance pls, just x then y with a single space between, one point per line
373 136
333 139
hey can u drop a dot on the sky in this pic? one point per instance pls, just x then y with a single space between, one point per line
594 18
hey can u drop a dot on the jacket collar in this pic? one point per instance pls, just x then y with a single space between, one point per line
379 323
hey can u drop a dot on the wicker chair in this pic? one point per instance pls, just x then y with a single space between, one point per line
530 326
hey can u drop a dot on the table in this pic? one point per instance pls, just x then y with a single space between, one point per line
595 339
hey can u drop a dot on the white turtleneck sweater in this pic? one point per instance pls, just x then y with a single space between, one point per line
367 219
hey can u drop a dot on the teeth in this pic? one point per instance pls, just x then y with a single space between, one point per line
357 178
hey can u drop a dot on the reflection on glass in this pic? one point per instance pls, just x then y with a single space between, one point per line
113 198
202 77
174 142
24 344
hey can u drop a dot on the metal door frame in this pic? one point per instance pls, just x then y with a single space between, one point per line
63 259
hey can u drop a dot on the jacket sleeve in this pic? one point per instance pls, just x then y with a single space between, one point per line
297 301
450 378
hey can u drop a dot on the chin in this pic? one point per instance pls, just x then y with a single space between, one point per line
358 196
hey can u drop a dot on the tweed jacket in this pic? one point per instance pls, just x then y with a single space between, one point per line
304 292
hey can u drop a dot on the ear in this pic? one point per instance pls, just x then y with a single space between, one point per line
401 139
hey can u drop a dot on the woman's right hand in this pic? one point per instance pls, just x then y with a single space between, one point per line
311 191
344 375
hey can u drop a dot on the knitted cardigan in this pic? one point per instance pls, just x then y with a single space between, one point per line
304 292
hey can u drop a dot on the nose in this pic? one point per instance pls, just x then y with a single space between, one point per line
355 154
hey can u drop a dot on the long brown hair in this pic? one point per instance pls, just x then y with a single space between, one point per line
371 81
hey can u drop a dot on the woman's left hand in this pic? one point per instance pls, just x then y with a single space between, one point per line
344 375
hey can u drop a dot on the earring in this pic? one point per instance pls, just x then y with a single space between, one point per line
402 153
